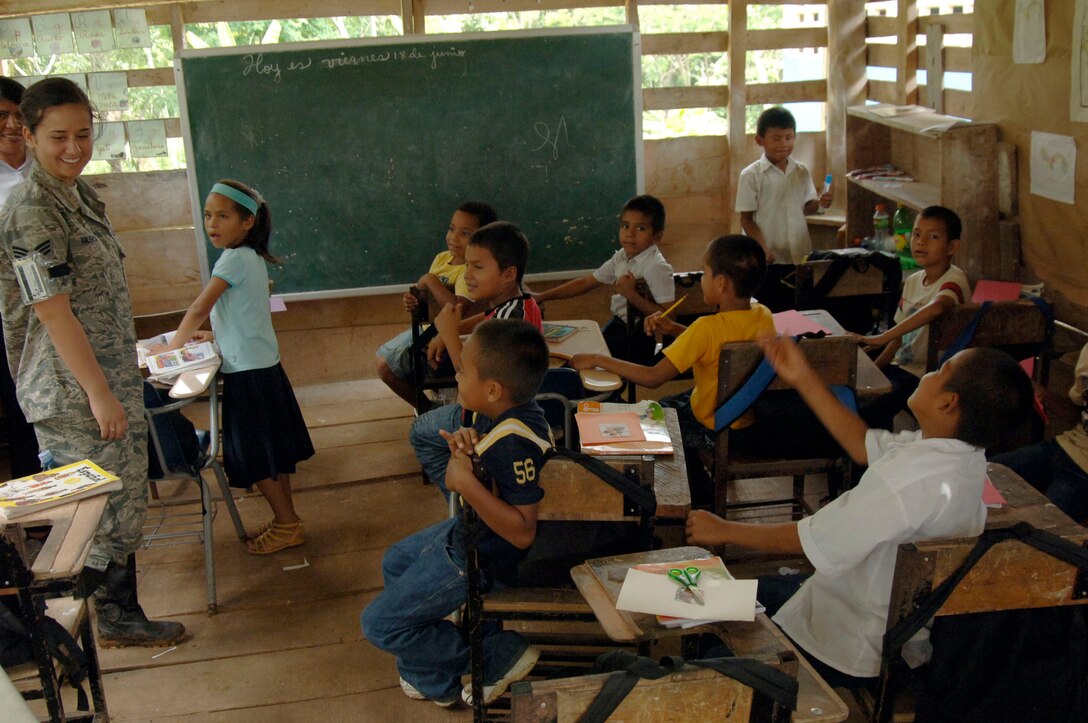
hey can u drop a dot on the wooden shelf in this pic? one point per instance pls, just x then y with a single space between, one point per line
953 162
915 195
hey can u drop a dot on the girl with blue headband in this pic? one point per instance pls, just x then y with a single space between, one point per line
264 434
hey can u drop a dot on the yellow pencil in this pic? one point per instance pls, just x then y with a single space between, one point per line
673 307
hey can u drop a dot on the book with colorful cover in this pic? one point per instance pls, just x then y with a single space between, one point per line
169 364
651 420
54 487
557 332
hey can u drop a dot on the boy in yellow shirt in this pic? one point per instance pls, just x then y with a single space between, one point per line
733 269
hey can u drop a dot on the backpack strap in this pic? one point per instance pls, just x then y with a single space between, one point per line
739 403
896 637
775 684
963 341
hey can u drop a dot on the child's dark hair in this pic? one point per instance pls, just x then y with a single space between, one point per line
740 259
482 212
11 90
259 235
777 117
49 93
514 353
995 396
506 243
953 227
648 206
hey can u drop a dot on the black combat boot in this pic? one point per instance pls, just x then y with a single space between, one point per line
121 620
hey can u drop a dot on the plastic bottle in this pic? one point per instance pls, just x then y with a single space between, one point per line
882 237
902 226
46 459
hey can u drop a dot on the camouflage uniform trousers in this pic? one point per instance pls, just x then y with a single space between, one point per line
76 436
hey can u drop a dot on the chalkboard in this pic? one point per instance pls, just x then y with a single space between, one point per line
364 149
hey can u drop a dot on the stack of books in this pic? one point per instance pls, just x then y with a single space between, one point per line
54 487
606 428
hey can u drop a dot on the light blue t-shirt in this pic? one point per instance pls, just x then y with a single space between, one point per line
241 318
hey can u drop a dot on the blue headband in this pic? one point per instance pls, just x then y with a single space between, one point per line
242 199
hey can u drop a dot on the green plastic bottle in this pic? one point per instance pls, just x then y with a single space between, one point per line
902 226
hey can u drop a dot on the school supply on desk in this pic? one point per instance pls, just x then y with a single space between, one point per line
53 487
168 365
653 432
991 496
557 332
986 290
673 307
793 323
606 428
651 588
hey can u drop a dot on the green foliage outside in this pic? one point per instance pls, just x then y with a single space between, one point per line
658 71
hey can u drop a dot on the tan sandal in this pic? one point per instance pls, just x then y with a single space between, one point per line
277 537
260 530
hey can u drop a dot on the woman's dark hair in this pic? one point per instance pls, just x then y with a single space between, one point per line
258 236
49 93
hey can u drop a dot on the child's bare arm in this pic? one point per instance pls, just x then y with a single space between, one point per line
448 322
574 287
514 523
917 320
888 353
626 285
789 362
705 528
750 227
645 376
198 312
439 291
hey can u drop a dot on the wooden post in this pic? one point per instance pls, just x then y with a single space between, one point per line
412 17
630 9
177 27
845 82
935 67
738 100
906 68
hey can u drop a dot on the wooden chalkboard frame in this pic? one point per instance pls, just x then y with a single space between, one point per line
196 183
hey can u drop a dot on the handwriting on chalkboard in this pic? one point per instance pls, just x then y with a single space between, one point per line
544 132
255 64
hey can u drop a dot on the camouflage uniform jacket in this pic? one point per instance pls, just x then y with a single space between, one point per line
67 226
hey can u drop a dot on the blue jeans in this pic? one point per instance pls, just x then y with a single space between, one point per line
1047 468
431 450
425 580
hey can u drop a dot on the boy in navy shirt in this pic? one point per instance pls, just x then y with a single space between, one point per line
501 368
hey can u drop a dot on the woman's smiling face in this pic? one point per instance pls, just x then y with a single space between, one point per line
63 141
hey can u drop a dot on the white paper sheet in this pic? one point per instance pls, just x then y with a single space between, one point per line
1053 166
16 38
1029 32
52 34
93 31
647 592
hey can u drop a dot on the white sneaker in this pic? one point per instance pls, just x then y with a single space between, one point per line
411 692
521 667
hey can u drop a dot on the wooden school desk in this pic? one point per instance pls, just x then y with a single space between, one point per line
55 572
587 340
871 381
600 581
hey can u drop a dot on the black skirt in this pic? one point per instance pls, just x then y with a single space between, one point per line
264 434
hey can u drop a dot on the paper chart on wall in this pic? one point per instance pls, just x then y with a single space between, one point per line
16 38
130 28
1078 93
109 142
52 34
147 139
93 31
1053 166
108 91
1029 32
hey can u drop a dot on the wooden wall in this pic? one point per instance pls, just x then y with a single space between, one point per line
1026 98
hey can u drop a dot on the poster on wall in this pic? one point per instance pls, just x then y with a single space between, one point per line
1053 166
1078 94
1029 33
94 31
109 141
16 38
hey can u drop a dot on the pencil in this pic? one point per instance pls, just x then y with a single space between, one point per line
673 307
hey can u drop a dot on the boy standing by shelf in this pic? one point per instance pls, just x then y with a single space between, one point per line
939 285
773 196
642 223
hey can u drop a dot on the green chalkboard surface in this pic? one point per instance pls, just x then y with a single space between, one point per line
364 149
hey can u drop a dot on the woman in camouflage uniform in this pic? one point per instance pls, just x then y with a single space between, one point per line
71 343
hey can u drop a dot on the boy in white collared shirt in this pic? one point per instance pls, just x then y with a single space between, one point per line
773 196
642 224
